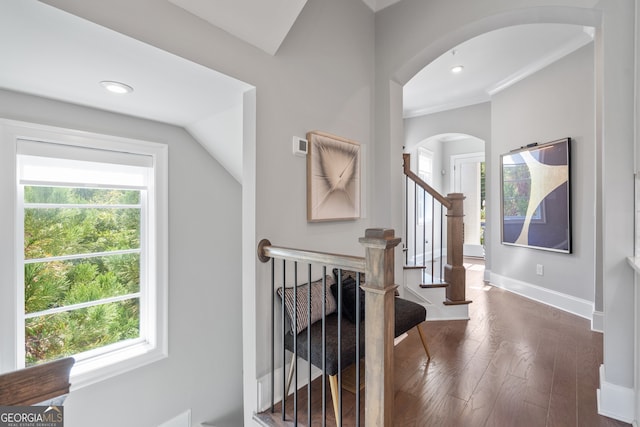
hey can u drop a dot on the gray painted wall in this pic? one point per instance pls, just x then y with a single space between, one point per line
554 103
474 120
203 371
320 79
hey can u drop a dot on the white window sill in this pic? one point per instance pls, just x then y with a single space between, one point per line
95 369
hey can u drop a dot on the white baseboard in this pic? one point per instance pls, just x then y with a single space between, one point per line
182 420
264 383
597 321
487 275
571 304
615 401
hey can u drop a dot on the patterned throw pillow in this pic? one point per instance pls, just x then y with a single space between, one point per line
317 296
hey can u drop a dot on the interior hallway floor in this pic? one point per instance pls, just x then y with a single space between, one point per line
515 363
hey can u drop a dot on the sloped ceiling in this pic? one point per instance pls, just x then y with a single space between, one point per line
377 5
264 24
79 54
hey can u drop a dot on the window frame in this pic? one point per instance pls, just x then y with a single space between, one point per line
425 215
121 358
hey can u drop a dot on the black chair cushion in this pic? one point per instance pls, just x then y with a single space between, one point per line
407 315
349 303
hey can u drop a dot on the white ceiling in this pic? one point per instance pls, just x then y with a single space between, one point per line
492 62
53 54
50 53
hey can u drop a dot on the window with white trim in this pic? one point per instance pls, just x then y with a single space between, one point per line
425 172
425 165
91 279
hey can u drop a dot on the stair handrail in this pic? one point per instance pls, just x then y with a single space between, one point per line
379 288
454 271
47 383
266 251
444 201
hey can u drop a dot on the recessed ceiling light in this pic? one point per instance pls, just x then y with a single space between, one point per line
116 87
457 69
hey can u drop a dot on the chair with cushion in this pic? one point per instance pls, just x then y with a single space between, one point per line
408 315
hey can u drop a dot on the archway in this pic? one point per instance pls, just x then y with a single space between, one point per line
614 122
454 163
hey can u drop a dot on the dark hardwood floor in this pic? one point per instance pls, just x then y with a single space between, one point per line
515 363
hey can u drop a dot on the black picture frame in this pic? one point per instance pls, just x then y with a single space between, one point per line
535 183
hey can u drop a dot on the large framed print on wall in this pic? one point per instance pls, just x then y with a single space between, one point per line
536 196
333 178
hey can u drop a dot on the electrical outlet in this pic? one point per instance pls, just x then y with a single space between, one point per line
539 269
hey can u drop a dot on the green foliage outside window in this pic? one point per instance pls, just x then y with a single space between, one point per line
516 189
79 222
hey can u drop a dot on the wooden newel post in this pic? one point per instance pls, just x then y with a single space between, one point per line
454 271
379 325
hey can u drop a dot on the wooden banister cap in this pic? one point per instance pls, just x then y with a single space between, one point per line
379 233
380 237
456 196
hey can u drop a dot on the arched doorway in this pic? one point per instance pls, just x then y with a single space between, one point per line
454 163
441 28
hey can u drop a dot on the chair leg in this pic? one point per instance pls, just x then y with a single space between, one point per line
333 383
424 342
292 370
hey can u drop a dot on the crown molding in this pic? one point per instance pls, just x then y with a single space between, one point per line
437 108
553 56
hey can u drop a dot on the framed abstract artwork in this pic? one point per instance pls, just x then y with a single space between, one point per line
536 196
333 178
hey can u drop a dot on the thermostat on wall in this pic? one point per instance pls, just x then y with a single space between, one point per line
300 146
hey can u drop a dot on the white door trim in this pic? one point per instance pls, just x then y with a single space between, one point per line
457 160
